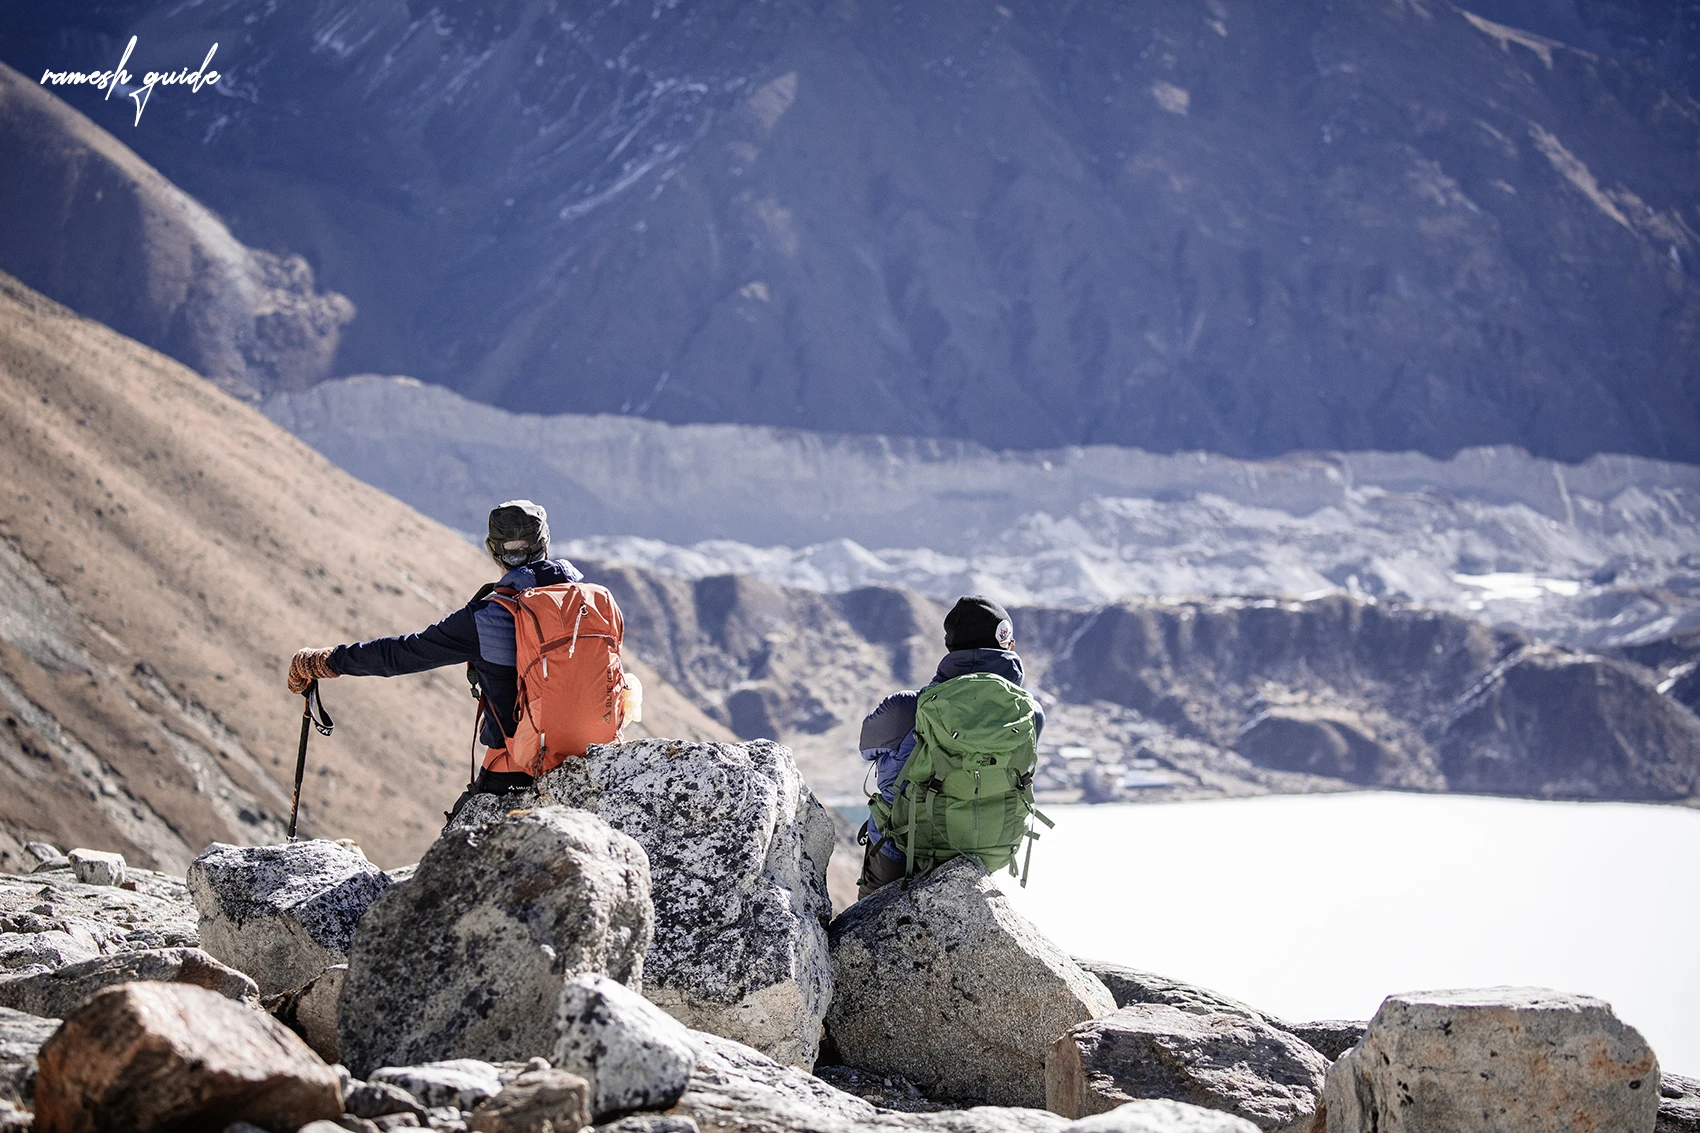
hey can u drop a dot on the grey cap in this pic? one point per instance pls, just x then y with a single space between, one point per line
519 532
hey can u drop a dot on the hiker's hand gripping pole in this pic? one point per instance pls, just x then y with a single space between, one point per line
312 713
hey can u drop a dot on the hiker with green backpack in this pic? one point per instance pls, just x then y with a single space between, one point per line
954 761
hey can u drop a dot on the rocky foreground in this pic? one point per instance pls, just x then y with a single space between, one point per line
643 943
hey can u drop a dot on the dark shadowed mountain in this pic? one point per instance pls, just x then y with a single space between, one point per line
1228 225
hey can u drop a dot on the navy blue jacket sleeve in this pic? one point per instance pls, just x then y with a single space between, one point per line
452 640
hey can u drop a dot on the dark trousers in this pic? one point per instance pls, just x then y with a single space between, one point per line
877 870
490 783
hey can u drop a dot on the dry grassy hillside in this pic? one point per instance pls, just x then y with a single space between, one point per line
163 551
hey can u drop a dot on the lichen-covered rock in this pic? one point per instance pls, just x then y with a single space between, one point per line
458 1082
635 1055
1500 1059
96 867
153 1056
1159 1115
21 1036
311 1010
59 992
537 1101
738 848
945 983
468 958
283 914
1219 1061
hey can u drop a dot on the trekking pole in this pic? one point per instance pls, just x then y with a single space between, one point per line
322 721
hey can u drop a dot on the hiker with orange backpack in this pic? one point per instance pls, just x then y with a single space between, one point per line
542 650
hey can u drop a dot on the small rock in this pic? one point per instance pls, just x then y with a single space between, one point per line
1160 1115
42 851
468 959
635 1055
651 1123
903 958
357 1124
538 1101
283 914
21 1036
1332 1037
154 1056
396 1121
1219 1061
311 1010
1443 1061
738 848
444 1117
52 865
460 1082
94 867
379 1099
59 992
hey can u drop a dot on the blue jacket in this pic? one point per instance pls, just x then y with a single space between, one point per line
481 632
888 732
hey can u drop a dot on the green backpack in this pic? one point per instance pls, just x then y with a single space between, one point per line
967 788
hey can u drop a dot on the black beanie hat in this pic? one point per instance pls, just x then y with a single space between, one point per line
977 623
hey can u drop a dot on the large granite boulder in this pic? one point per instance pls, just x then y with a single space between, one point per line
738 848
1219 1061
633 1054
1505 1059
21 1036
943 982
283 914
154 1056
467 959
57 993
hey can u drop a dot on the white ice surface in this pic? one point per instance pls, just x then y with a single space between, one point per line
1318 906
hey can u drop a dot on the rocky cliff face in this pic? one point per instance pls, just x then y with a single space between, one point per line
1379 224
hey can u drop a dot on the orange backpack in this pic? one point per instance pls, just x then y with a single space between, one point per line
567 646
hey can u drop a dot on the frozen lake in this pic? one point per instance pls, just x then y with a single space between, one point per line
1318 906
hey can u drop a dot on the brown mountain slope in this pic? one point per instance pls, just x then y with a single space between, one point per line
163 550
